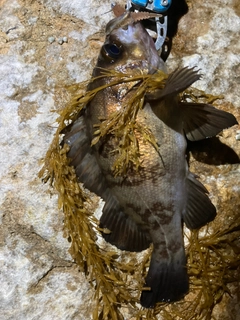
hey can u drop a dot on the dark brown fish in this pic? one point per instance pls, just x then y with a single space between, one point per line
147 205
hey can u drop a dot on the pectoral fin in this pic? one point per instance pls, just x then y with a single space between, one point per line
124 233
76 137
199 209
201 121
177 82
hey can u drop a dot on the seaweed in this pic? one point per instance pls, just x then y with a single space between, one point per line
117 277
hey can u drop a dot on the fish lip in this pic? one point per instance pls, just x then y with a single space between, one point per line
142 67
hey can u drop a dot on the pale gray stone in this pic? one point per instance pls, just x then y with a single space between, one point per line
38 277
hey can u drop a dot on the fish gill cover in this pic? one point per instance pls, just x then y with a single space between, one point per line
117 277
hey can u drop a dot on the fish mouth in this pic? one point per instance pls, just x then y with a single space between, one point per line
139 67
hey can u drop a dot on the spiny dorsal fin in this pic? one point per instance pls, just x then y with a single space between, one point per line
128 18
138 16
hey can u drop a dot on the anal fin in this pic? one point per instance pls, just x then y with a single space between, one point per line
199 209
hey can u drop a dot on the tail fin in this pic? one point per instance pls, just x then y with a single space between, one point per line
168 280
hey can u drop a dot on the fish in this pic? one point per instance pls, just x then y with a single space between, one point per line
148 205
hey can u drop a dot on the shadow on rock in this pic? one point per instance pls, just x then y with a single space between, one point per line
212 151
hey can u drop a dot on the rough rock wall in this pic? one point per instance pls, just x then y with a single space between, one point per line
38 276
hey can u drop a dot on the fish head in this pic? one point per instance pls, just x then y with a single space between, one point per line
129 48
128 51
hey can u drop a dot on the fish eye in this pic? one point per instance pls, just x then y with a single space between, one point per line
112 51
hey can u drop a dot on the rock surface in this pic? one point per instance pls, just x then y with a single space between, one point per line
38 277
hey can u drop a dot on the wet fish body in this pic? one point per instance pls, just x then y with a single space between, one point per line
147 205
